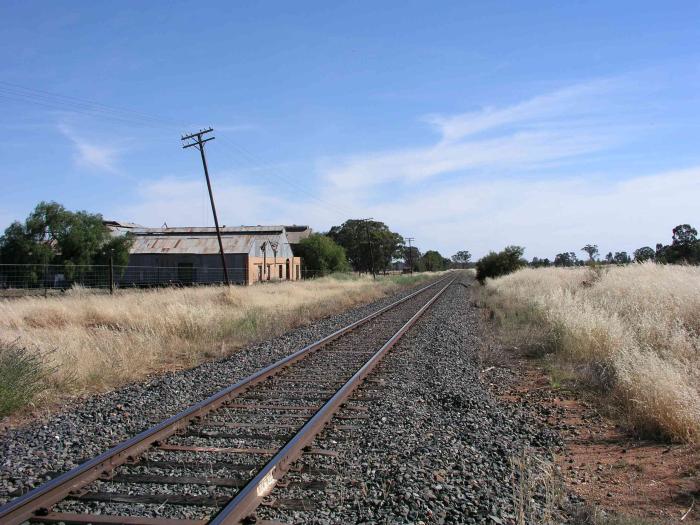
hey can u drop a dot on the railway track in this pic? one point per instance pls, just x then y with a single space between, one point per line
217 461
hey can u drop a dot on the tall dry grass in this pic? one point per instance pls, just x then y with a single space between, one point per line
631 332
94 342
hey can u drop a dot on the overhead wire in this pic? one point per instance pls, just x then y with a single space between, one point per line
18 93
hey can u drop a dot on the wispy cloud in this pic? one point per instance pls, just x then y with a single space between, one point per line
90 154
185 202
543 215
571 103
542 131
550 210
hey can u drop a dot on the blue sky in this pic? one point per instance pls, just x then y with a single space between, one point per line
465 125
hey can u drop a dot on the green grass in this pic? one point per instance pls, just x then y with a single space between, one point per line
22 375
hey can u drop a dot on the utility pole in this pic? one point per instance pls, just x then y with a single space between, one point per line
111 272
274 246
198 143
410 253
369 241
264 250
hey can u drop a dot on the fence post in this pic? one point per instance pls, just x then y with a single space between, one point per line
111 274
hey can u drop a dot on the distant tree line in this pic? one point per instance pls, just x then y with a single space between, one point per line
684 249
366 246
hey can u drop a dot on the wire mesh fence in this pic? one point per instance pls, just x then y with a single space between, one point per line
35 279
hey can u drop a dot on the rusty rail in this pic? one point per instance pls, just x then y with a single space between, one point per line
37 502
250 496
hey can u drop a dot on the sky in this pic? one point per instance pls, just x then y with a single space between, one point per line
465 125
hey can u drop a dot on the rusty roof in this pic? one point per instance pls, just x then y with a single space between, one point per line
209 230
202 240
192 244
296 233
120 224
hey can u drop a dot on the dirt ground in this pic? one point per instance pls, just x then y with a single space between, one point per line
604 465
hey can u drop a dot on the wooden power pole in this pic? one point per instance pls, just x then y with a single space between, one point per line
410 253
198 142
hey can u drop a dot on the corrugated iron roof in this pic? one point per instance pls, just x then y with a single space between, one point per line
209 230
120 224
297 233
192 244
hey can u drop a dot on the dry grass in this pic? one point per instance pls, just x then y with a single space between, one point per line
538 490
631 332
96 342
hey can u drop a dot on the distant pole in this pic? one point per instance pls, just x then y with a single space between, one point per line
410 253
264 250
274 247
46 275
199 144
111 274
369 241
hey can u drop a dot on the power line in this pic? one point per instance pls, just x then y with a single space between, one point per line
48 99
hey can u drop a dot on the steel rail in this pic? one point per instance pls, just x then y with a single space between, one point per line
40 499
251 495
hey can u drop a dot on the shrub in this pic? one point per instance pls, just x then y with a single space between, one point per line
21 377
433 261
322 255
504 262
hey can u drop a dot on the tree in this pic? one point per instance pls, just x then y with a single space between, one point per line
504 262
591 250
565 259
412 255
462 258
540 263
684 248
609 258
661 252
621 258
53 235
645 253
353 236
433 261
684 235
322 255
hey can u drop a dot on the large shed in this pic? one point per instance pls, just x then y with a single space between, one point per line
296 233
191 255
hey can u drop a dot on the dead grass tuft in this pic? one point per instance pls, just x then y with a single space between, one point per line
538 491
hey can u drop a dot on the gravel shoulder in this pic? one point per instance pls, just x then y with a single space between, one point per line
35 452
